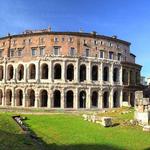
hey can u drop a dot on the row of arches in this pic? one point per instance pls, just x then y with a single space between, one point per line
57 73
130 77
56 100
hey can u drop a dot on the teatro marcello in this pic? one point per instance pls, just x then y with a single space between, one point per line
66 70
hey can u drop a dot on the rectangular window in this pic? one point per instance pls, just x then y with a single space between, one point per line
30 41
101 54
95 42
12 53
42 51
19 52
72 51
111 55
63 39
70 39
41 40
119 56
56 39
56 50
87 52
24 42
1 52
33 52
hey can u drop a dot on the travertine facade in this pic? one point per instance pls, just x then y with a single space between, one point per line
66 70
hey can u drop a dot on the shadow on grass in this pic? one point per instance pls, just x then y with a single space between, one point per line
12 141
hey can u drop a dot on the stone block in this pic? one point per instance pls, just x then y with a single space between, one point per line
142 117
146 128
146 101
138 95
106 121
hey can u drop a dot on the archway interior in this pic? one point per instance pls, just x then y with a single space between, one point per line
44 71
106 74
1 73
70 72
19 98
115 75
10 72
95 99
44 98
57 98
105 100
69 101
20 72
32 71
115 99
57 71
82 99
8 97
82 73
31 95
94 73
1 96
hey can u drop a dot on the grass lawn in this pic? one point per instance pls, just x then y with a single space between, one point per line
70 132
11 136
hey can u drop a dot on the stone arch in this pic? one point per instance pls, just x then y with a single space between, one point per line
44 71
82 99
94 99
31 97
70 72
19 97
8 97
57 71
106 99
10 72
125 76
20 72
132 77
69 99
115 74
1 73
94 73
106 73
43 98
125 96
116 102
1 96
57 99
82 72
32 71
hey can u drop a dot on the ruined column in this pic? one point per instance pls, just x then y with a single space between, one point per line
111 98
88 98
100 99
101 73
76 71
62 99
88 72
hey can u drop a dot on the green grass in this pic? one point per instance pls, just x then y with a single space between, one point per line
71 132
11 136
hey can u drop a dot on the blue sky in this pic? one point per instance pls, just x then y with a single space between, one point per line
128 19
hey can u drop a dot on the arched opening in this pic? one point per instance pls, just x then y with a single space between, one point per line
69 100
32 71
70 72
106 100
20 74
57 98
82 99
1 73
94 73
57 71
95 99
43 98
19 97
132 98
1 96
106 74
82 73
125 77
125 96
8 97
44 71
116 75
31 97
116 102
10 72
132 77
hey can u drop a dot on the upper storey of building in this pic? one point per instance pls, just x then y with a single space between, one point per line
33 44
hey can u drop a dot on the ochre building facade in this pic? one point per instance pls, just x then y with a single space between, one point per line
66 70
